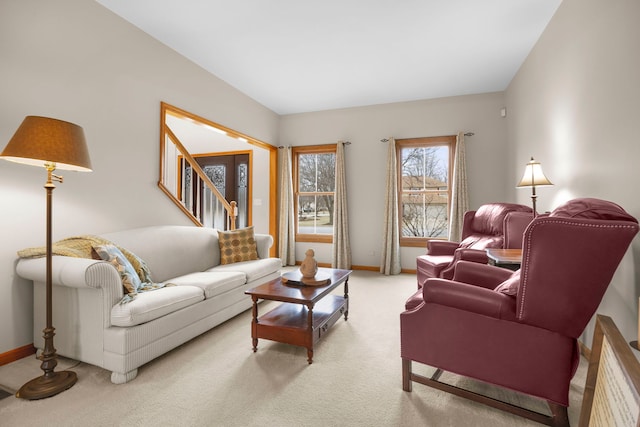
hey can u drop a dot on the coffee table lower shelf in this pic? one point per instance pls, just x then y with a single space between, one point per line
290 323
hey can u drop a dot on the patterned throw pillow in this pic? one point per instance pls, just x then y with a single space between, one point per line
237 245
114 256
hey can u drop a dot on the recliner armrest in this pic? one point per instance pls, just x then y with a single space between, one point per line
441 247
473 255
470 298
484 275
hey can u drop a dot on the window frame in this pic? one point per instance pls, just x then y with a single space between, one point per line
295 153
428 141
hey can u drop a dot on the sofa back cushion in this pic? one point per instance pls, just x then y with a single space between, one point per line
172 250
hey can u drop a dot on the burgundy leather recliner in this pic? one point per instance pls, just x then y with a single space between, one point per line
519 330
492 226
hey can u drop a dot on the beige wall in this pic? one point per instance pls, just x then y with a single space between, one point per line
574 105
75 60
366 157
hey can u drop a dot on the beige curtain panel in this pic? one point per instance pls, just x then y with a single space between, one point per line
390 254
287 236
341 254
459 194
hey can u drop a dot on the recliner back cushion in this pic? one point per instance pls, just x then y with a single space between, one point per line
489 218
482 241
590 208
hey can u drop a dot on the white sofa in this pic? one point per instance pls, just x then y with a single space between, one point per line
92 326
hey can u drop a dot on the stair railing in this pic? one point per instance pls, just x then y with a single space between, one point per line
206 207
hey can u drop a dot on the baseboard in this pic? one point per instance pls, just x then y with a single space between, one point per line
17 354
362 267
584 350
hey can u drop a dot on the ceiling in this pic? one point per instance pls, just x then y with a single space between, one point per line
297 56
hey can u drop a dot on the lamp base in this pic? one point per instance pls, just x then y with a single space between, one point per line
47 385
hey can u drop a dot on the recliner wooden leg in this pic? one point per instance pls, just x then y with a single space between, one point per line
406 374
559 415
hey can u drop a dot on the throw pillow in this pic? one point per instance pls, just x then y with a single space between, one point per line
237 245
511 285
114 256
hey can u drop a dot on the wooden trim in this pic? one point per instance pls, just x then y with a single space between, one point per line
314 238
360 267
166 108
177 112
17 354
450 141
621 369
273 200
308 149
365 267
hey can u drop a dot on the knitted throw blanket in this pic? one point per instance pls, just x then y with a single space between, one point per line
82 247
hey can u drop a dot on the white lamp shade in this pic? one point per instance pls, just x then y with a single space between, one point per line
533 176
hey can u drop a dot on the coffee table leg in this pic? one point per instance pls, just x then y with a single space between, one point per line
346 297
254 324
310 333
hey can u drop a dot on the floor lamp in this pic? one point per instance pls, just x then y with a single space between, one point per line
52 143
533 177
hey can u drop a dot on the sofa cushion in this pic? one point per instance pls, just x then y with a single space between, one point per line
253 270
237 245
130 280
152 305
211 282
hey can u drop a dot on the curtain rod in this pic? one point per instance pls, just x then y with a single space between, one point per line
343 142
466 134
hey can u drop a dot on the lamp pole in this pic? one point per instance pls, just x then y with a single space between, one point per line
51 382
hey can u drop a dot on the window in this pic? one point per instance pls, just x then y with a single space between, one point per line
424 168
314 172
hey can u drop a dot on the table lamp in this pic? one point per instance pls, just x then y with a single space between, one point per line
52 143
533 177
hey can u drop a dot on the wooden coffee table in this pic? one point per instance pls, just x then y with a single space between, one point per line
306 314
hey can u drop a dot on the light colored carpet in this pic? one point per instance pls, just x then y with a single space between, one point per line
216 380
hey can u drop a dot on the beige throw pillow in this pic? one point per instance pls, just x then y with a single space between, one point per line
237 245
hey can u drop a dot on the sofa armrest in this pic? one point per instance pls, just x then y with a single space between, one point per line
441 247
75 273
263 243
